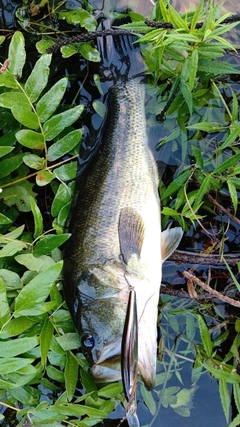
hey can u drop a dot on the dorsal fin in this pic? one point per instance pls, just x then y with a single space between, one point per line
131 233
170 240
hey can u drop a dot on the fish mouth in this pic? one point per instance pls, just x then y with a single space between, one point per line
107 368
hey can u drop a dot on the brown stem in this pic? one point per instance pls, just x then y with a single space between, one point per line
211 291
198 258
223 210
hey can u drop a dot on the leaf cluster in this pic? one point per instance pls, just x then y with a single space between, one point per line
39 146
186 63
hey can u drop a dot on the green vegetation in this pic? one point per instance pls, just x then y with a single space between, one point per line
40 364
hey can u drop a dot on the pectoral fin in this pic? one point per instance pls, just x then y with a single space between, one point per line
131 233
170 240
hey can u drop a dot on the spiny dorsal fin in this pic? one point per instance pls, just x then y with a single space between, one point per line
131 233
170 240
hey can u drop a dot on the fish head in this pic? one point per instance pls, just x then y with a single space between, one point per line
99 315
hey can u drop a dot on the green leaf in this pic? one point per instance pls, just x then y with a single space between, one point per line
198 156
8 80
99 107
71 375
4 220
55 374
16 327
13 364
232 137
205 335
79 16
14 98
17 54
178 182
205 127
176 19
64 145
51 100
12 348
38 78
34 161
66 172
225 398
19 195
236 395
148 399
69 341
193 66
227 164
216 68
36 291
12 248
69 50
196 14
38 220
57 123
187 95
225 372
234 279
25 117
202 191
234 108
15 233
11 164
4 307
49 242
11 279
33 263
29 138
43 44
46 339
233 194
44 178
90 53
62 197
235 422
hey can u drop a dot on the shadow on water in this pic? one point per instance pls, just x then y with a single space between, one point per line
183 395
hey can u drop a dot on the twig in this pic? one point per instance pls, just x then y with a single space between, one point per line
180 293
88 37
211 291
223 210
154 24
161 115
121 32
198 258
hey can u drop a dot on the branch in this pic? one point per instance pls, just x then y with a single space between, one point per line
154 24
222 209
211 291
185 257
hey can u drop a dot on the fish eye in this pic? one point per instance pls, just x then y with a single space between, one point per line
87 341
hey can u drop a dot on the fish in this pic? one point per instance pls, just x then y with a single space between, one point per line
113 260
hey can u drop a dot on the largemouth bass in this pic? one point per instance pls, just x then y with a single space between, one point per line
116 242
